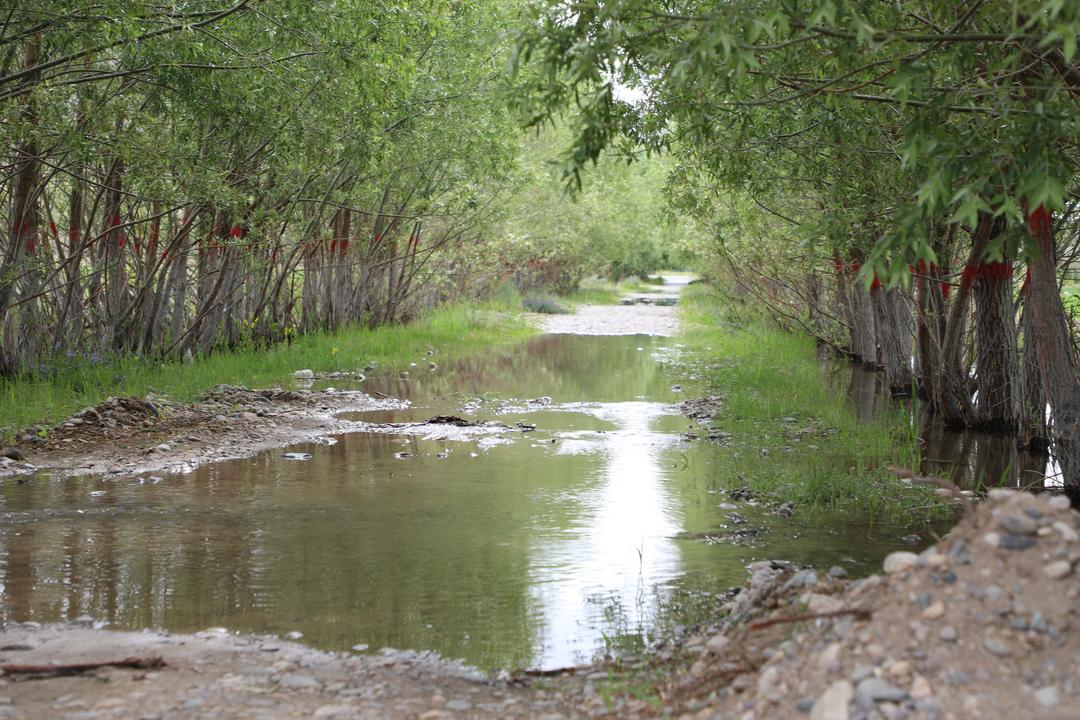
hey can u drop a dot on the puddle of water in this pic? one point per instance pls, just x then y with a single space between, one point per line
598 530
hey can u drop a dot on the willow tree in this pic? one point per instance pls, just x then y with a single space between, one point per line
950 126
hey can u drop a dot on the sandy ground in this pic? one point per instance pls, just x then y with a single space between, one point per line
136 435
614 320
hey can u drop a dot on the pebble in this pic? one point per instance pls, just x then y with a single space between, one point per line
1060 502
769 685
459 705
305 374
1016 542
298 681
829 657
1019 525
996 646
838 572
935 611
717 644
1057 569
899 561
1047 696
833 703
805 705
874 690
920 688
1067 532
818 604
992 538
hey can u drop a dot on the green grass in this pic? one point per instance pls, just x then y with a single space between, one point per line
767 375
449 331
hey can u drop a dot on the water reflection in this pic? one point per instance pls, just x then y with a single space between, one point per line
970 460
536 552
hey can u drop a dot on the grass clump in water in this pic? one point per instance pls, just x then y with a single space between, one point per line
793 436
79 382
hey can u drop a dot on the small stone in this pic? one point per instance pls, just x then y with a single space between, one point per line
899 561
992 539
874 690
936 560
1066 532
996 647
818 604
828 658
333 711
1060 503
920 688
1019 525
805 705
770 685
934 611
294 635
717 644
1016 542
1000 495
899 671
1057 569
1047 696
305 374
298 681
459 705
838 572
360 647
833 703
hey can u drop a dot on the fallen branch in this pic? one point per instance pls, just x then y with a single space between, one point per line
140 663
858 613
905 474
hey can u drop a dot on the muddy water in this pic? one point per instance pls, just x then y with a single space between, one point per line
596 532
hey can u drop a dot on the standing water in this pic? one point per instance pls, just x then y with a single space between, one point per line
597 531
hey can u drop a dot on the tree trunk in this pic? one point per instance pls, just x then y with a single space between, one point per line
1053 348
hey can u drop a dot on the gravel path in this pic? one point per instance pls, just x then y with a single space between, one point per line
613 320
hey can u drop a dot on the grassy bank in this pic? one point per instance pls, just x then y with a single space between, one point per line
793 436
80 383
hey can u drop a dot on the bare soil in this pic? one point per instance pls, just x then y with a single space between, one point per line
136 435
614 320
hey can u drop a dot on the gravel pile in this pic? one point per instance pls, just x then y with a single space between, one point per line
982 625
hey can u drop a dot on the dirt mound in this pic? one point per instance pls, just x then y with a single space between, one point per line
982 625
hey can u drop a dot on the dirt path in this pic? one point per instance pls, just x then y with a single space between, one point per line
614 320
217 675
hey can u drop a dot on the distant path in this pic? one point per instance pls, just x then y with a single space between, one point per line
638 319
614 320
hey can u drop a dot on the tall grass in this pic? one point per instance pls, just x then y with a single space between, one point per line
773 387
79 382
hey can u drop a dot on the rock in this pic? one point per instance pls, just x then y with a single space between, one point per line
432 366
770 685
294 635
1057 569
996 647
838 572
1060 503
296 456
786 509
459 705
805 705
920 688
1047 696
899 561
829 657
1066 532
833 703
934 611
874 690
333 711
1019 525
360 647
912 539
1000 495
717 644
1016 542
819 604
305 374
13 454
298 681
948 633
163 447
